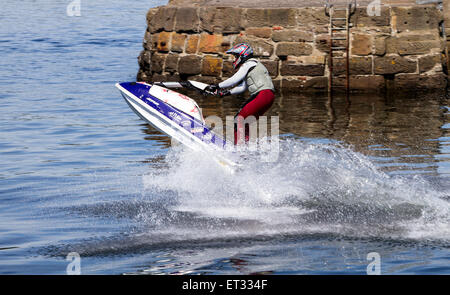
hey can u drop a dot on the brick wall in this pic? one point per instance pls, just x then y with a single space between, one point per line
402 48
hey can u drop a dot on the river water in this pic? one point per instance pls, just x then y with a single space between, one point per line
80 172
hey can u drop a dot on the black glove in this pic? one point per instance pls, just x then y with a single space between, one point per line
212 88
223 93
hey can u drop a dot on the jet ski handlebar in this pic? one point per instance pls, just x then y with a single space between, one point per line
194 85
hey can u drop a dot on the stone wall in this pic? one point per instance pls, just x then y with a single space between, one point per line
400 49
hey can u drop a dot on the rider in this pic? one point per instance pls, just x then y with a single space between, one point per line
252 75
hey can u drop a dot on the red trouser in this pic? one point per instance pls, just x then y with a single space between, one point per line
256 106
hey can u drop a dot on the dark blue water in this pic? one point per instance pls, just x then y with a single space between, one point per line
80 172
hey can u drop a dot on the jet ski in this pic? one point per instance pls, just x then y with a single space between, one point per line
174 114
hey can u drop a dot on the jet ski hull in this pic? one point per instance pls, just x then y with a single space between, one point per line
167 118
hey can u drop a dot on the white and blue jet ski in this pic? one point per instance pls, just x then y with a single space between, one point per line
174 114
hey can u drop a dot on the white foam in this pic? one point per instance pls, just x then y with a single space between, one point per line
311 188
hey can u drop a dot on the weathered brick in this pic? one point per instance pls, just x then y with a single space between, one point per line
295 69
165 77
171 64
150 14
379 45
265 32
187 19
144 60
293 36
143 76
177 44
268 17
360 65
190 65
311 59
223 20
272 67
212 66
372 83
393 64
416 18
163 41
157 62
361 19
227 70
192 44
148 41
361 44
162 19
312 16
414 82
413 44
323 43
293 48
428 62
261 47
210 43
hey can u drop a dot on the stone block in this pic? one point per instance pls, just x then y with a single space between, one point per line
227 69
416 18
212 66
316 84
157 62
192 43
379 45
269 17
393 64
190 65
428 62
293 48
360 65
261 47
413 44
311 59
187 19
222 20
367 83
323 43
361 19
178 41
150 42
292 85
144 60
150 14
211 43
289 68
163 42
413 82
265 32
311 16
293 36
271 66
143 76
361 44
171 64
163 19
